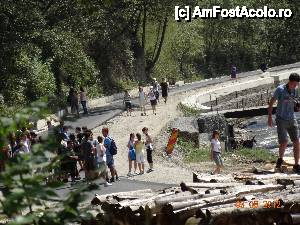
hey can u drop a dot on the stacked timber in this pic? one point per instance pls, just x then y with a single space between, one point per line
244 198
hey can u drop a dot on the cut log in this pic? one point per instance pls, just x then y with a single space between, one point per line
98 199
247 189
215 200
250 176
204 178
212 185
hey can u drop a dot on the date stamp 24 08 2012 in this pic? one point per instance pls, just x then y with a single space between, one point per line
267 204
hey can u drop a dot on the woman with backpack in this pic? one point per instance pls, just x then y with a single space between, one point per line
131 155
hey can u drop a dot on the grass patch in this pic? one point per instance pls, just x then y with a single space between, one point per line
188 111
194 154
255 155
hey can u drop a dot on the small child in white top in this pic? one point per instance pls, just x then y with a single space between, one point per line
216 152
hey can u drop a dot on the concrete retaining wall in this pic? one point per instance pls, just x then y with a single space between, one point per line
196 101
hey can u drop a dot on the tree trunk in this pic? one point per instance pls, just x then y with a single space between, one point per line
152 63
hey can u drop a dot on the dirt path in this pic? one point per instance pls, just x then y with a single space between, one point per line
121 126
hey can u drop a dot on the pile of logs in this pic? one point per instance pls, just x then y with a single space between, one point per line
237 199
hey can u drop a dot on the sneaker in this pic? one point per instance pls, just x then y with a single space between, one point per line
296 168
149 170
141 173
129 174
107 184
279 163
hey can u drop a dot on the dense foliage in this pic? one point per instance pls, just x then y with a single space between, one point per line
26 198
50 45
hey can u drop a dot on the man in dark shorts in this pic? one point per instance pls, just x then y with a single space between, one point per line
285 118
109 157
127 102
164 89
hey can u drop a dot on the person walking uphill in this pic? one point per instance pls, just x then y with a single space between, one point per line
127 102
164 89
142 101
286 122
111 150
153 100
149 148
83 100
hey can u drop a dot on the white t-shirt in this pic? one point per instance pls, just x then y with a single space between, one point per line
99 153
216 145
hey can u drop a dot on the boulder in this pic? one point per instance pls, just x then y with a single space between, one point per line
209 123
188 128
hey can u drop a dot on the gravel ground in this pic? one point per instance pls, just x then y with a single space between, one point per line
166 170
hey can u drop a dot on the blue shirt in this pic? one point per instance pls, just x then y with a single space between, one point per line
107 143
286 104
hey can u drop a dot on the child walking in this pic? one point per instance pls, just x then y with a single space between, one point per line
131 154
216 152
139 150
127 102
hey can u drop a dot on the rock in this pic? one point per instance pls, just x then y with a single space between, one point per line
188 128
209 123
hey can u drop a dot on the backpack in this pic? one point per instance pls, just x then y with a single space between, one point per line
113 147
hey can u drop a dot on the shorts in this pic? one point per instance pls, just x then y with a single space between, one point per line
131 155
153 102
285 127
149 155
128 105
110 162
217 158
140 157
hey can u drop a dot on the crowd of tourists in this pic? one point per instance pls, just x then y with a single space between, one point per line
81 151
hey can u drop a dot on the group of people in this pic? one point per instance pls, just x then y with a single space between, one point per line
152 95
74 99
93 155
136 151
20 142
